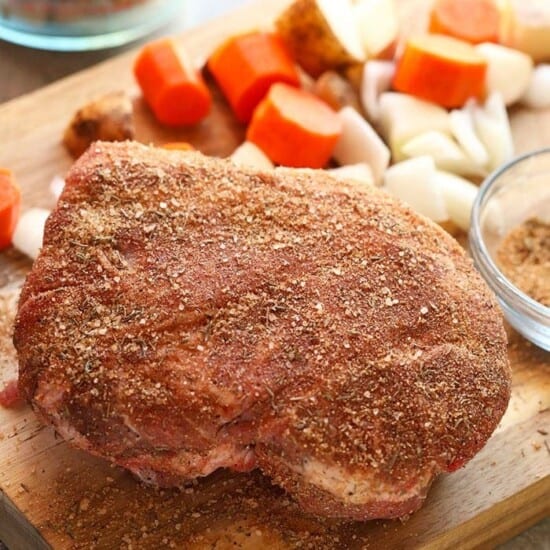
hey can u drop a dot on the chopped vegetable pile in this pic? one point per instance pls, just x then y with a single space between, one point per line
340 86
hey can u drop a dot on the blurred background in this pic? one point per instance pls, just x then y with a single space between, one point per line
24 69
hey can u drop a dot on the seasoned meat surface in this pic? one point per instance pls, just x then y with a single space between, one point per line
185 315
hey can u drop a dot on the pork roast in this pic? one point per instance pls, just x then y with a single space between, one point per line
186 315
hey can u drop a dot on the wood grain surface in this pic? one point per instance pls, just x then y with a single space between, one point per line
52 495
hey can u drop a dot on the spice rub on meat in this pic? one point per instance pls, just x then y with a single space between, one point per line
186 315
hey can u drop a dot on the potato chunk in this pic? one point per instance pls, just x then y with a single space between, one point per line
107 118
321 34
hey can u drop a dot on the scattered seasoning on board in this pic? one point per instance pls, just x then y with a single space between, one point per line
524 257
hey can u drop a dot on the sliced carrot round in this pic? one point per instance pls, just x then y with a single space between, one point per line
294 128
474 21
10 205
441 69
247 65
173 89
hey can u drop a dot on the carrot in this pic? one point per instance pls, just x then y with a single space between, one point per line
172 87
294 128
10 205
247 65
441 69
474 21
178 146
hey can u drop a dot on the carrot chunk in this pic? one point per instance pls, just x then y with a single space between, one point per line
474 21
172 87
10 205
178 146
246 66
294 128
441 69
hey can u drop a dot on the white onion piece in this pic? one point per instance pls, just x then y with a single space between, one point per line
403 117
446 153
359 142
493 128
459 195
56 187
537 95
29 231
249 154
508 71
413 181
462 128
360 172
377 78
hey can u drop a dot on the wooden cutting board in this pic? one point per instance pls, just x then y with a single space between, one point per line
54 495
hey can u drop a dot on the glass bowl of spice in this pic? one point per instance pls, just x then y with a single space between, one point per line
72 25
510 242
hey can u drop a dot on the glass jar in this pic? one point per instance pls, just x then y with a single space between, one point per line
71 25
517 192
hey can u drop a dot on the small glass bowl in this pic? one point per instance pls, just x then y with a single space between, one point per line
516 192
76 25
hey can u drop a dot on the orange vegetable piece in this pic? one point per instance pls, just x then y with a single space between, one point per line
441 69
10 205
474 21
246 66
294 128
172 87
178 146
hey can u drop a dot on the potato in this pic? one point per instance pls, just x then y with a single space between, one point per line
107 118
321 34
525 26
335 90
378 26
508 71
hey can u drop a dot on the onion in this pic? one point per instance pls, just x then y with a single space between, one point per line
446 153
249 154
403 117
29 231
377 78
360 172
459 195
493 127
462 128
56 187
359 142
413 182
